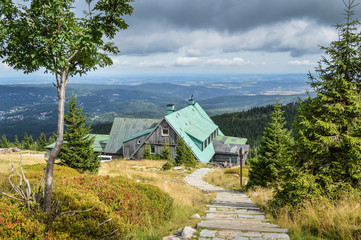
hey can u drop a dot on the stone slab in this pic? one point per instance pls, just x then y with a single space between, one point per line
242 227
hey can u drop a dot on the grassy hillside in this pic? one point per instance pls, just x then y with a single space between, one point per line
142 201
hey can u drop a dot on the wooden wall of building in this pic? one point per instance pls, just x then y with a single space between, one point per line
157 139
221 158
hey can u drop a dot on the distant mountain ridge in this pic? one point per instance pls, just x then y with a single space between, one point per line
33 108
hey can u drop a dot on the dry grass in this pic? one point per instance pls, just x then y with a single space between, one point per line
29 158
324 219
225 178
321 219
187 199
260 196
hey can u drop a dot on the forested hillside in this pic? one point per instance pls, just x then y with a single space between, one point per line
250 124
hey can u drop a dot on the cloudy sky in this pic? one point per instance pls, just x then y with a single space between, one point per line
223 36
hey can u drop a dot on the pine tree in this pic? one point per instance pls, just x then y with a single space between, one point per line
166 152
42 142
147 154
328 126
180 152
16 142
25 143
77 151
274 152
4 142
184 155
52 138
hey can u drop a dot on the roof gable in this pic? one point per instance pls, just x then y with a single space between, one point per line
194 125
125 128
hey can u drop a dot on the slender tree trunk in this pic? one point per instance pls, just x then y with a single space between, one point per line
59 142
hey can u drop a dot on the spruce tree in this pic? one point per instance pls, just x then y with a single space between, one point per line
16 142
25 142
180 152
328 126
274 152
184 155
77 151
147 154
42 142
166 152
4 142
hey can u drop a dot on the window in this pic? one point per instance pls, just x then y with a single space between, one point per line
152 149
165 132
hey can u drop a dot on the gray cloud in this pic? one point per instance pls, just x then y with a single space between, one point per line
233 15
195 28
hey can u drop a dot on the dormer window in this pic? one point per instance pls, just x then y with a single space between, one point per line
165 132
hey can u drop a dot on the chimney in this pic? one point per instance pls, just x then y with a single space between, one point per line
170 108
191 101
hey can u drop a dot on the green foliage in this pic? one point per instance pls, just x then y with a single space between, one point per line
298 188
4 142
42 142
250 124
49 35
184 155
147 154
274 153
77 151
166 166
328 126
166 152
16 142
131 207
16 222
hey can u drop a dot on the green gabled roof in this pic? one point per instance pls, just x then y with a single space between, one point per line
194 125
100 142
98 145
124 128
139 134
231 140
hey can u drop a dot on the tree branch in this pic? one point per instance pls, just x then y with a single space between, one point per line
21 200
104 222
72 213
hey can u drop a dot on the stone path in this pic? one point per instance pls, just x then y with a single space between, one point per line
232 215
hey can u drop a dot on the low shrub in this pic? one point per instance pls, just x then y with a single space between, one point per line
122 207
16 223
167 166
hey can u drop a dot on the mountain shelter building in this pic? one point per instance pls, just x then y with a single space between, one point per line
128 136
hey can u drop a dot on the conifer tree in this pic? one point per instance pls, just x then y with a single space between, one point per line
77 151
328 126
16 141
42 142
147 154
25 142
166 152
4 142
184 155
274 152
180 152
